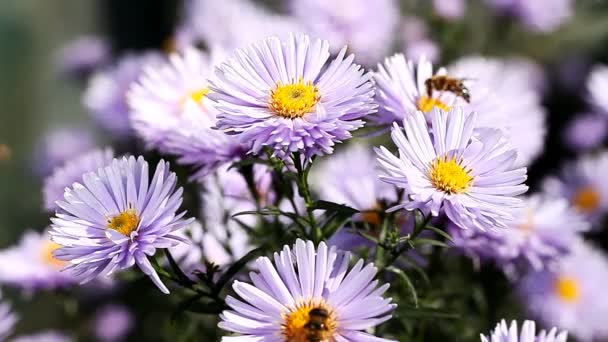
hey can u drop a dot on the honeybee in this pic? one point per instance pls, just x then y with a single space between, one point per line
317 329
446 83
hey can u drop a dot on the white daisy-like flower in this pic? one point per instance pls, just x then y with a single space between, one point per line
307 294
466 173
510 333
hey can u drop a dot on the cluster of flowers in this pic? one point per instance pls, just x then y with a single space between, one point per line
253 114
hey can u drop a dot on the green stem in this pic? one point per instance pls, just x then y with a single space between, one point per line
316 231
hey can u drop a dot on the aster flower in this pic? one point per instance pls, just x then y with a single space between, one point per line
49 336
106 93
572 295
298 104
367 27
597 85
72 171
504 93
586 131
117 217
450 9
30 265
59 145
582 183
541 233
112 323
7 319
539 15
306 282
469 177
80 57
510 333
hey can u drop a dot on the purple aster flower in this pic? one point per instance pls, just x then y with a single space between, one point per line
49 336
597 86
306 282
504 93
540 234
510 333
586 131
282 94
539 15
59 145
82 56
450 9
30 265
232 24
572 296
583 184
367 27
7 319
112 323
117 217
72 171
106 94
466 173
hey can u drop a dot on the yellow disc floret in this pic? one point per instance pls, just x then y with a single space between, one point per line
125 222
198 95
294 100
567 289
47 256
426 104
310 321
586 199
448 175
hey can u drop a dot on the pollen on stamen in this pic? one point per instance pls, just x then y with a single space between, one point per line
586 199
568 289
297 323
426 104
449 176
47 256
125 222
294 100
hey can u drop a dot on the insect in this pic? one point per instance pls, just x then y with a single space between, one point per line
316 328
446 83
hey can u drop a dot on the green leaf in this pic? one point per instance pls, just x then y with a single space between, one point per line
423 241
407 281
334 207
440 232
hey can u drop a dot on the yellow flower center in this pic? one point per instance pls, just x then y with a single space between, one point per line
295 99
449 176
426 104
586 199
310 321
47 254
567 289
528 223
125 222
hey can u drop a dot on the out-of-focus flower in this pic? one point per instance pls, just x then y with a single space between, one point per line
106 93
416 42
31 265
232 24
469 176
280 301
538 15
83 56
505 94
112 323
7 319
541 233
597 86
572 296
424 48
302 104
367 27
510 333
171 112
72 171
450 9
59 145
117 218
582 183
49 336
586 131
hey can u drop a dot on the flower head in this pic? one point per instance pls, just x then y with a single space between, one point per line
48 336
60 145
31 264
72 171
367 27
82 56
112 323
597 85
117 217
586 131
7 319
281 94
468 176
572 295
302 283
541 233
510 333
539 15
